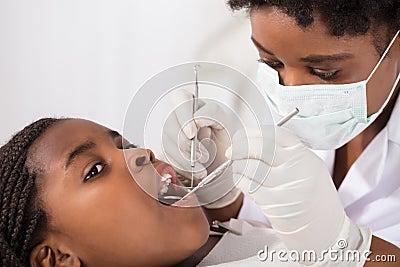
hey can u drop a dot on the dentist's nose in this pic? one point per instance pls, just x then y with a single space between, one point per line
289 78
292 76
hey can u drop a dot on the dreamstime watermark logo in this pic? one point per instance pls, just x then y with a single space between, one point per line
337 254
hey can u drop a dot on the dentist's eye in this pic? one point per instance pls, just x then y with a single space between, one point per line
95 170
271 63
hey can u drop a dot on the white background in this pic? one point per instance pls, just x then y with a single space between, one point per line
86 59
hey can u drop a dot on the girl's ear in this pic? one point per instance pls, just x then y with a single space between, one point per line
44 255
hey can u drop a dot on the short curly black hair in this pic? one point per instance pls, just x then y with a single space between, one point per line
342 17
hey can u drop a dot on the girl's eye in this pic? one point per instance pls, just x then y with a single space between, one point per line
327 76
126 145
95 170
129 146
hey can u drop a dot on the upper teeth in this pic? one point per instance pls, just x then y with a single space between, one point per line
166 178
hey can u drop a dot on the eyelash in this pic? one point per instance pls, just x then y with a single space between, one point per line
94 171
324 76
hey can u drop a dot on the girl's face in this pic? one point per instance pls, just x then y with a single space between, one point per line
98 214
314 56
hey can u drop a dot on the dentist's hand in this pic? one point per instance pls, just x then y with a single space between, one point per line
214 125
295 191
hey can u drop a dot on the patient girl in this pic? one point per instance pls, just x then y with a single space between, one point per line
67 198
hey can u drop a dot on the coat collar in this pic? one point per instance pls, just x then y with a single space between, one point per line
394 123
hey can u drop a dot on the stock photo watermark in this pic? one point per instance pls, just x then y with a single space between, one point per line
338 254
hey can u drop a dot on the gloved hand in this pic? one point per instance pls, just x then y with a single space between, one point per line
295 192
213 124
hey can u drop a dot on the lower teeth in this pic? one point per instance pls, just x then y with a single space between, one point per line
166 178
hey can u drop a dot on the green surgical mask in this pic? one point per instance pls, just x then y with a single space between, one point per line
330 114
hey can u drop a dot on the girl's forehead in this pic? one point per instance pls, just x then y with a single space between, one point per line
56 141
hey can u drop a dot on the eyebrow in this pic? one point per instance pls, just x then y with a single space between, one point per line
77 151
82 148
325 58
114 134
259 46
311 58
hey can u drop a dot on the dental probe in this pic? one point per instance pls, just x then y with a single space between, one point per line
221 168
215 173
193 141
287 117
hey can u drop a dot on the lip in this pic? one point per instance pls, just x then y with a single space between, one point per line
163 168
175 189
190 201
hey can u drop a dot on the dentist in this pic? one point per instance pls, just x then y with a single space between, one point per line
339 63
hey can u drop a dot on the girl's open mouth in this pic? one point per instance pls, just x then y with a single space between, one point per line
170 189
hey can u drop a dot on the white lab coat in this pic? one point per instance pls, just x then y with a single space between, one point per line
243 250
370 192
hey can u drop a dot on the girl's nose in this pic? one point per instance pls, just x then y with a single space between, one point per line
137 158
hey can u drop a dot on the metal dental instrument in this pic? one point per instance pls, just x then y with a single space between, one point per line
171 197
195 107
287 117
216 225
221 168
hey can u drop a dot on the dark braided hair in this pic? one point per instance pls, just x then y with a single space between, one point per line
352 17
23 222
